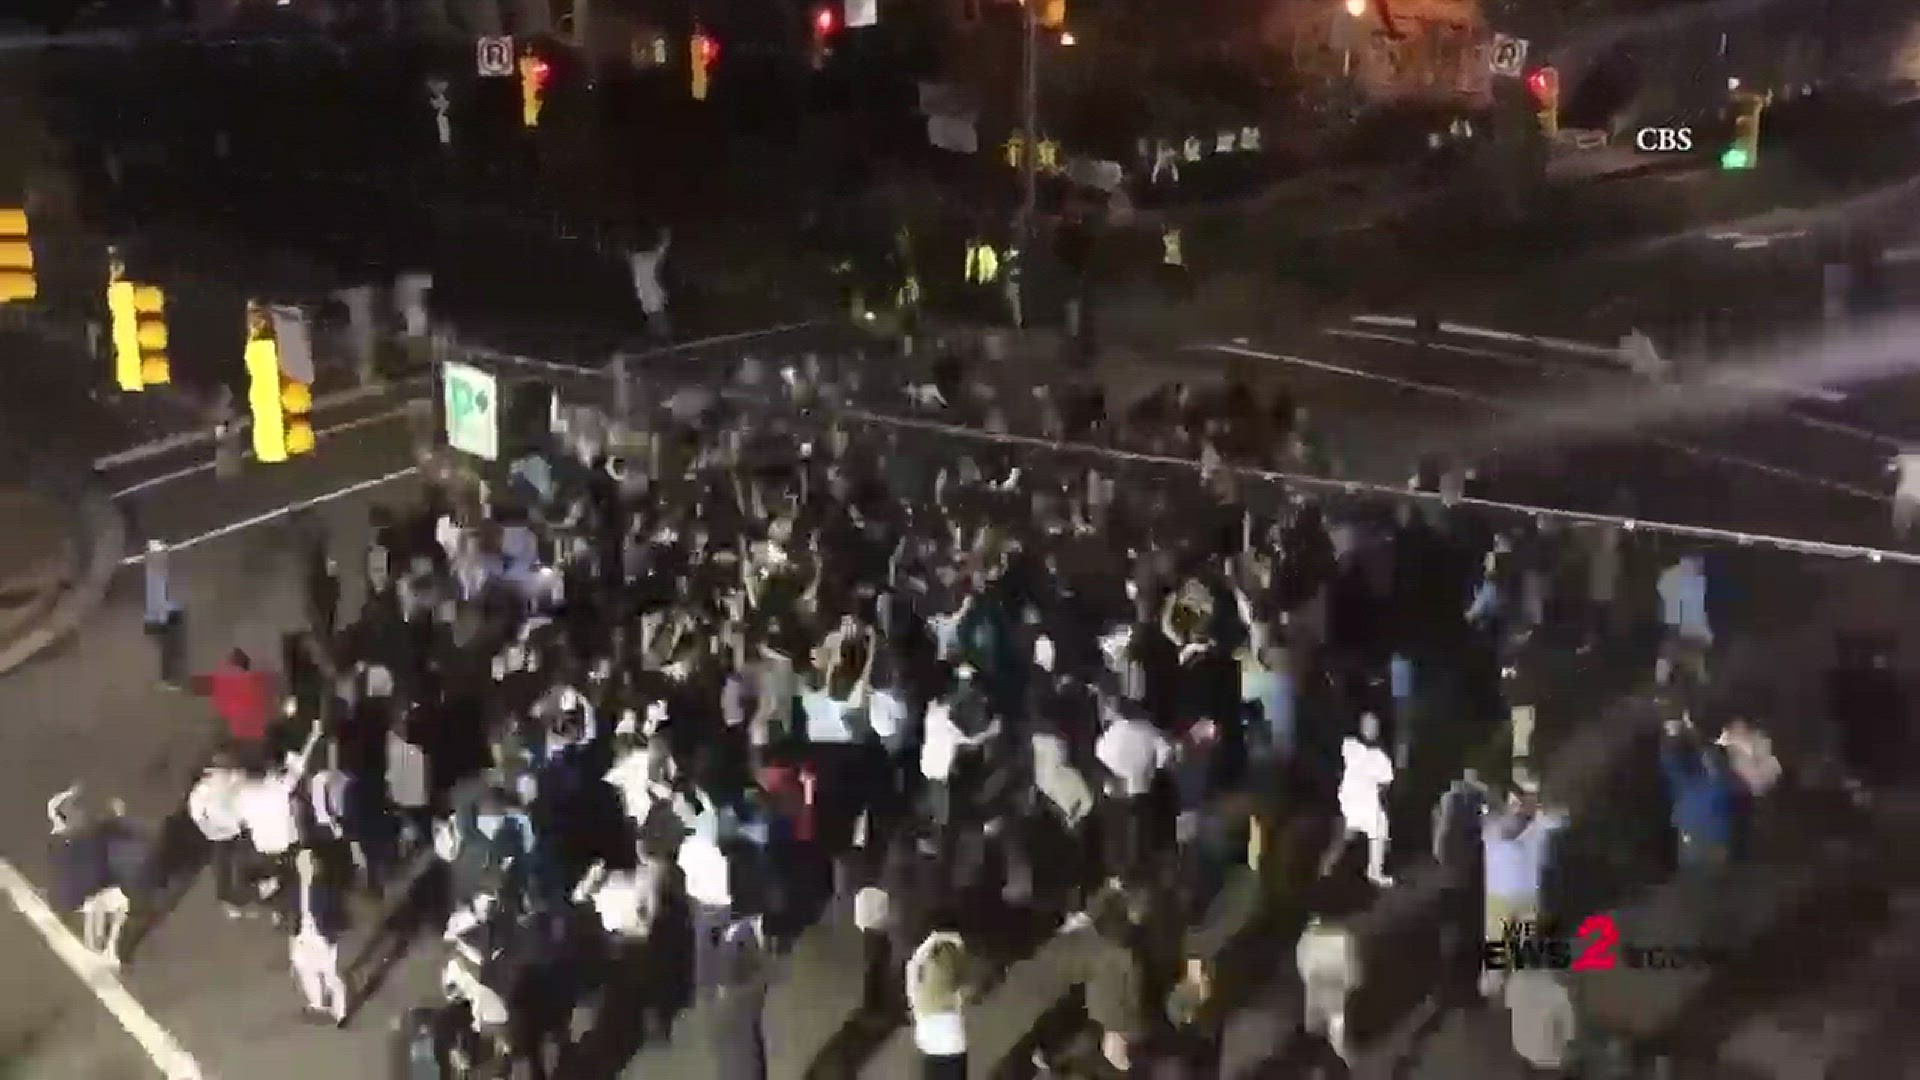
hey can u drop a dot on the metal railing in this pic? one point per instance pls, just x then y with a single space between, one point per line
662 380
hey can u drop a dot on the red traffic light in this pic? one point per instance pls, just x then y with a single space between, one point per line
541 71
1543 83
709 48
825 21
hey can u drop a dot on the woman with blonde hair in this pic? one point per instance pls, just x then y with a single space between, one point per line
937 993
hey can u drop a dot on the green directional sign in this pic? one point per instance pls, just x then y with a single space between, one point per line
473 410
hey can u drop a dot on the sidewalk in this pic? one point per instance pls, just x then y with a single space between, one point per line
59 554
37 557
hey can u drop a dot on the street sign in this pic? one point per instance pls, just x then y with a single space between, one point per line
473 410
493 56
1508 55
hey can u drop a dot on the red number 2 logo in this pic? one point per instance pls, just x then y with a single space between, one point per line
1599 936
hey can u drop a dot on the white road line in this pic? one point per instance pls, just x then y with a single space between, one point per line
1609 353
1497 404
278 513
1541 363
157 1042
208 466
133 455
499 357
1459 350
722 339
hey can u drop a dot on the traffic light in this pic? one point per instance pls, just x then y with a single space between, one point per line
1744 151
281 406
825 22
1053 14
705 52
1544 84
139 323
17 279
534 74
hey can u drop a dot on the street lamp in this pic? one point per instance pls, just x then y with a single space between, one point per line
1356 8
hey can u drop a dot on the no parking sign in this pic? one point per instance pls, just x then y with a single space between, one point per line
493 56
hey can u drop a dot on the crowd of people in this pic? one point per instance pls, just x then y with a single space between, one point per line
626 717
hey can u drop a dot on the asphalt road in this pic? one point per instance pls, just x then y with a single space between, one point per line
1569 430
222 989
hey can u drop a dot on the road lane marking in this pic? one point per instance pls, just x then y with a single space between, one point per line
133 455
155 1041
1823 548
1541 363
1499 405
500 357
277 513
1460 350
208 466
1609 353
723 339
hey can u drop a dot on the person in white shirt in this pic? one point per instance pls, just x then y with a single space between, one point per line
314 952
708 882
266 806
1906 492
409 784
627 901
1365 775
941 745
1544 1021
214 806
1135 753
937 994
1328 960
643 770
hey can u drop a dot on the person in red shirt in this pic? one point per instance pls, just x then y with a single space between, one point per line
241 697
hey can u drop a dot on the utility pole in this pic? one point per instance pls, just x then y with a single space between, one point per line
1030 122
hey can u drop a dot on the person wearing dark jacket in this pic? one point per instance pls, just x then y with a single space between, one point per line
96 864
1705 794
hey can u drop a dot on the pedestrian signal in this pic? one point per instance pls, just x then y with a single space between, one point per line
17 278
138 314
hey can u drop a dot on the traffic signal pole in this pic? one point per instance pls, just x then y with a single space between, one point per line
1030 123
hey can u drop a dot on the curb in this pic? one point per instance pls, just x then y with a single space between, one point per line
103 540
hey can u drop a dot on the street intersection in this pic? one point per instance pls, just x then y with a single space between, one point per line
221 989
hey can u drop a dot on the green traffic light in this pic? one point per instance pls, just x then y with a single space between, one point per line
1736 157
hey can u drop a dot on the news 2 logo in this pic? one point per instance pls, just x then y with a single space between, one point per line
1663 140
1595 946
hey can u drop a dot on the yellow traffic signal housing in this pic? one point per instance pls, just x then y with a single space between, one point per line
139 324
702 52
534 74
282 407
17 278
296 403
263 396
